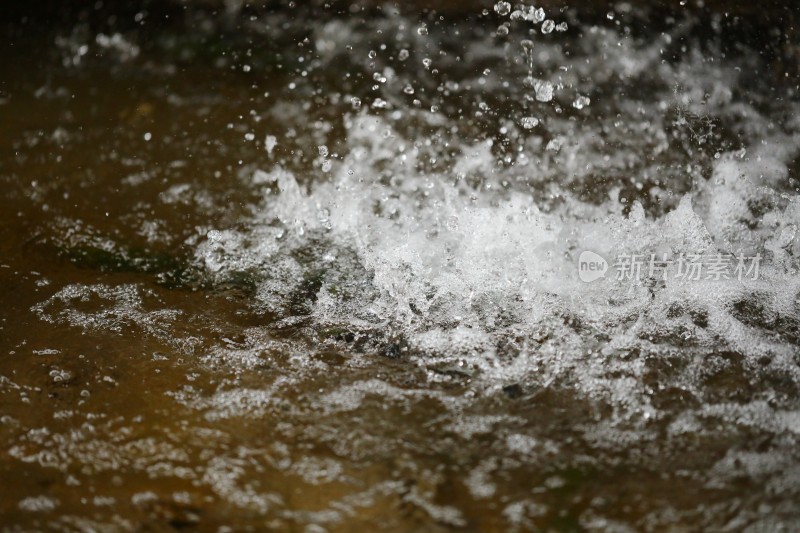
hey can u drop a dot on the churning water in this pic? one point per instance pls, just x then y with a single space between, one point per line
519 272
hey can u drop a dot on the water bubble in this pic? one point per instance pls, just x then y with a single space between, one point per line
502 8
610 15
562 27
148 136
538 15
372 54
548 26
249 136
529 122
402 55
408 89
423 29
355 102
60 375
502 29
581 102
427 62
323 150
38 504
517 15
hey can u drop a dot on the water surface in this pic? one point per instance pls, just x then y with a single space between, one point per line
316 271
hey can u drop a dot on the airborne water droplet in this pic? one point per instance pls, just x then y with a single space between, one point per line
527 45
270 142
502 8
581 102
544 90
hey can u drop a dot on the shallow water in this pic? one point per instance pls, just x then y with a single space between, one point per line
269 270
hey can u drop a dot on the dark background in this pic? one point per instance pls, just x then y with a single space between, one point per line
771 26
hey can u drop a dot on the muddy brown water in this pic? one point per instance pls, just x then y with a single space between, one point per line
155 400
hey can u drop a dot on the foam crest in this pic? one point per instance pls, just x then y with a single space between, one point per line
466 260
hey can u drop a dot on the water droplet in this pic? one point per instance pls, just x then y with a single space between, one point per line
548 26
502 8
543 90
529 122
581 102
270 142
527 45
